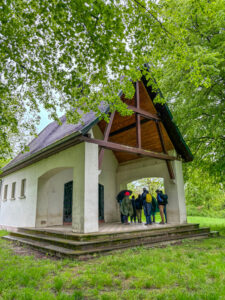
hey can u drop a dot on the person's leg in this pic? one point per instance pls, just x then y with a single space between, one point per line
135 215
153 216
165 213
145 211
148 213
126 219
144 207
161 207
122 218
138 211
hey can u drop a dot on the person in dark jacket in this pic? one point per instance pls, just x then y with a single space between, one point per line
121 215
165 198
138 204
154 209
161 203
133 217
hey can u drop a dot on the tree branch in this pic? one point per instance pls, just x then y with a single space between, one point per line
153 16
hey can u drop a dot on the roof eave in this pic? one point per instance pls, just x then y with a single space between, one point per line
52 149
173 131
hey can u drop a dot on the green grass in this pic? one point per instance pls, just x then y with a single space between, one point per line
215 224
192 270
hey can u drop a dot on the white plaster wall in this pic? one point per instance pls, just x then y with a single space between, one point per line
107 177
51 197
175 190
85 206
22 212
149 167
140 168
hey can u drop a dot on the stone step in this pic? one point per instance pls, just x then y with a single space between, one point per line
149 236
102 235
60 251
214 233
41 246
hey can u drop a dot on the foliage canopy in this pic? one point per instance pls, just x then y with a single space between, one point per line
73 55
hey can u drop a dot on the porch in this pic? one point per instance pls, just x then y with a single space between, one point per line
110 228
60 241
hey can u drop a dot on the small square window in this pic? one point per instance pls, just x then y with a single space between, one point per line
5 191
23 188
13 192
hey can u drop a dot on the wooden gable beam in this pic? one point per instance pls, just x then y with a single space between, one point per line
169 165
106 137
138 117
143 113
128 127
123 148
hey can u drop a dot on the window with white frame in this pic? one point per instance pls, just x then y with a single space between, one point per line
5 192
13 191
23 188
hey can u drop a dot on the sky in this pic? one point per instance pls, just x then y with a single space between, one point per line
44 120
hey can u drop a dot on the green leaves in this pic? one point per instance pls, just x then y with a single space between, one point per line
73 55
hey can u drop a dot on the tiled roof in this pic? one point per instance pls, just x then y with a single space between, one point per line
51 134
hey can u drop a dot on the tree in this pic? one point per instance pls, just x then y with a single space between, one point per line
76 54
152 184
202 192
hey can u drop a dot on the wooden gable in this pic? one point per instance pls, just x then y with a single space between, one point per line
124 131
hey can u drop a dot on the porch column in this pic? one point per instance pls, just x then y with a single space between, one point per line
85 191
176 209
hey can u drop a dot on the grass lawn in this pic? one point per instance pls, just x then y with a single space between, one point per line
191 270
217 224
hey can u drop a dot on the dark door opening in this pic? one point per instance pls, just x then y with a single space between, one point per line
68 201
101 202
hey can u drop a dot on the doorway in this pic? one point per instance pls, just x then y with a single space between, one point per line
68 202
100 202
151 184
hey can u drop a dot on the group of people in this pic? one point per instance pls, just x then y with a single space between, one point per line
129 206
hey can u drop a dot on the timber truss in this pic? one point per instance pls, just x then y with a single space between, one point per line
106 144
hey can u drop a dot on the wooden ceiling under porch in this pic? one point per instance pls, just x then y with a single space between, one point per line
141 134
151 134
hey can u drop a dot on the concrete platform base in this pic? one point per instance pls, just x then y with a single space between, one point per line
62 242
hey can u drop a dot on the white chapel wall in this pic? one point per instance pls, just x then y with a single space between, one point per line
51 197
22 212
19 211
107 178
